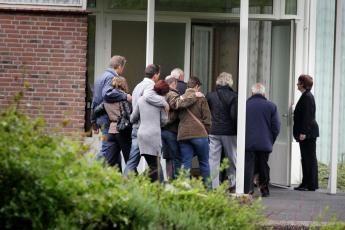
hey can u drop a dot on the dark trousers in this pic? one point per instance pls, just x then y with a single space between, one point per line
120 142
256 161
309 164
171 152
152 162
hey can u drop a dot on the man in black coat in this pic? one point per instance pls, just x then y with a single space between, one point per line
305 131
223 106
262 129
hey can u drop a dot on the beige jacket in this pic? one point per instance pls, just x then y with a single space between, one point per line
114 112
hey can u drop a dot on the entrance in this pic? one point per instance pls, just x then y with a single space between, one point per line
269 62
280 94
214 49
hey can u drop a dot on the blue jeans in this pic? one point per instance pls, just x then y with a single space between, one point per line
200 147
106 145
170 144
134 155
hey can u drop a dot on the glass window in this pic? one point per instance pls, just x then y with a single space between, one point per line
91 3
291 7
128 4
131 43
214 6
44 2
169 46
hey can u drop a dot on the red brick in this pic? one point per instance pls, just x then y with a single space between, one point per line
49 51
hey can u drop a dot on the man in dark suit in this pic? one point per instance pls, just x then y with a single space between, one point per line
305 131
262 129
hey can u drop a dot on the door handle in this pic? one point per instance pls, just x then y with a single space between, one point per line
287 117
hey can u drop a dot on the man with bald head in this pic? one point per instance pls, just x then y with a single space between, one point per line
262 129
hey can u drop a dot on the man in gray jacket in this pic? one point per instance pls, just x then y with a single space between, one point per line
152 73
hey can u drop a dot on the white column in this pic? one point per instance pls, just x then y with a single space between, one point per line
312 38
332 186
187 51
242 96
150 31
306 36
84 4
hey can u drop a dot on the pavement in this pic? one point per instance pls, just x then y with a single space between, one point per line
286 207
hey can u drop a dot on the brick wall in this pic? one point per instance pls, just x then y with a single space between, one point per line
45 53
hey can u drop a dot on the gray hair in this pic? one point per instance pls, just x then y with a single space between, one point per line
176 73
117 61
170 79
224 79
258 88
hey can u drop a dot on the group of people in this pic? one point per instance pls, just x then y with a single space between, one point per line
173 118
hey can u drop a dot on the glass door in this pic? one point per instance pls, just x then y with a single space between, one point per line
280 94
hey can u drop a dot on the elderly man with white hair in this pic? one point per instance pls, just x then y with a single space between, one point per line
262 129
223 134
178 74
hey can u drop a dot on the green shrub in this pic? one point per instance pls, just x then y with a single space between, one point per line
324 175
48 182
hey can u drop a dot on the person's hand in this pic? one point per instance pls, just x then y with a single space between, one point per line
94 128
167 108
129 98
302 137
199 94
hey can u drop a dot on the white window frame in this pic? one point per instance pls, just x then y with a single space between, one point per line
26 5
105 49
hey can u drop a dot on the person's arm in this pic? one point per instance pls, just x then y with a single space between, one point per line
185 100
275 124
154 99
164 117
306 115
233 110
111 94
135 116
206 115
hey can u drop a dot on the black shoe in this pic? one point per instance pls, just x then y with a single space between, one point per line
264 191
300 188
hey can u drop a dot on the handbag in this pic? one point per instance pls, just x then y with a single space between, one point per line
198 121
123 122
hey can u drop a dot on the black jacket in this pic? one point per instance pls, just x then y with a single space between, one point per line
304 117
223 106
181 87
